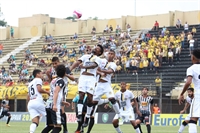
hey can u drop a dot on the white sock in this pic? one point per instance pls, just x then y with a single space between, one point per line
33 126
192 128
118 130
80 108
116 108
181 128
137 130
89 110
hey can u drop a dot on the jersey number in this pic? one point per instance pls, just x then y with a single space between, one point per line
32 91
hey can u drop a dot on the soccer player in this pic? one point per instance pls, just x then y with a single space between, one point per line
52 75
36 105
189 98
4 110
107 69
193 75
58 96
88 64
126 99
145 103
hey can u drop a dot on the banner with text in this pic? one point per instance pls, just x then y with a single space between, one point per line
25 116
169 119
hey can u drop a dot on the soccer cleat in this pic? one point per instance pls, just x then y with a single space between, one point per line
7 125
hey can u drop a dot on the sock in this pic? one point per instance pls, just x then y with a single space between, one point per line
181 128
102 101
139 126
33 126
192 128
148 128
47 129
89 111
116 108
91 124
56 130
80 108
64 122
137 130
118 129
79 126
8 120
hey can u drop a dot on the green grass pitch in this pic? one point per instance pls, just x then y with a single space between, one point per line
23 127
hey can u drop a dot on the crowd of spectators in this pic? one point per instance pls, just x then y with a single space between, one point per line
145 54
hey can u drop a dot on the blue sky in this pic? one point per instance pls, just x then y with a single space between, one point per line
103 9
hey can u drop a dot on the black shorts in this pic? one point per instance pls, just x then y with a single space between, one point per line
5 113
144 118
53 117
134 68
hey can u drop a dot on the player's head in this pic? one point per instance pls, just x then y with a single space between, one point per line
111 55
98 50
190 92
55 62
145 90
60 70
37 73
195 57
123 86
6 96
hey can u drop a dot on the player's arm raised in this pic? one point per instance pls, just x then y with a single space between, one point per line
77 63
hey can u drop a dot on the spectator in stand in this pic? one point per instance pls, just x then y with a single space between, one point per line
145 65
186 27
94 37
111 28
75 36
156 26
182 39
93 30
178 24
194 31
158 85
148 37
106 30
170 57
156 65
191 45
83 40
189 37
128 28
178 52
134 63
1 49
50 38
12 32
156 109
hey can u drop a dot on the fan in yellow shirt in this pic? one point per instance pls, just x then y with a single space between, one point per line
194 31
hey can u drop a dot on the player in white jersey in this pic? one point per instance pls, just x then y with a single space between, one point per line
193 76
145 103
126 100
36 105
4 110
88 64
106 70
52 75
188 99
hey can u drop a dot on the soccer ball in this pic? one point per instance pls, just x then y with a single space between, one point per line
77 14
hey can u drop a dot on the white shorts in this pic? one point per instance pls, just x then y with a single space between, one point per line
36 108
195 108
86 84
126 115
187 118
101 89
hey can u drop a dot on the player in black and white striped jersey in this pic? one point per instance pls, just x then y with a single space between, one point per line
145 103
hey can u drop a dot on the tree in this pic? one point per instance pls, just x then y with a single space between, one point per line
95 18
3 23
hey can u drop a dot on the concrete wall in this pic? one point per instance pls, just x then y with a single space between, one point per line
39 24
